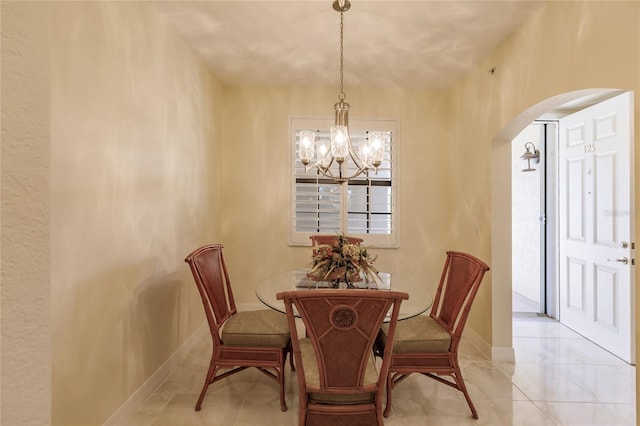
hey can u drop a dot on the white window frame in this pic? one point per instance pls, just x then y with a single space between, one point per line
297 123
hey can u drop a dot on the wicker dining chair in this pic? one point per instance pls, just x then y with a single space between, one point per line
259 339
429 344
338 383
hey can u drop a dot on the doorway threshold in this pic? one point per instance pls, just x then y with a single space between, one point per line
530 315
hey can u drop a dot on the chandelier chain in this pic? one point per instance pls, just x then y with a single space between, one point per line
341 96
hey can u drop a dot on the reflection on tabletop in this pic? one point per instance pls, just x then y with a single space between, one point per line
420 294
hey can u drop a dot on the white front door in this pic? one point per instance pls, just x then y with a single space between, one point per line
596 224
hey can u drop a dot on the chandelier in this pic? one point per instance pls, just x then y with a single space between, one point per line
322 154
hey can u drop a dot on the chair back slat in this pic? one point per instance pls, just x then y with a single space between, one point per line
342 326
342 352
459 283
211 277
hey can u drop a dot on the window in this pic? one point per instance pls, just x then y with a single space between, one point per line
364 206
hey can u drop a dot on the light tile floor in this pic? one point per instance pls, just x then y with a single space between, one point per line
559 378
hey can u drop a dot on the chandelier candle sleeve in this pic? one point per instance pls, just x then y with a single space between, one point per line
339 143
307 146
372 151
324 153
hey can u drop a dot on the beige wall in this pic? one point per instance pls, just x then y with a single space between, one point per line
135 155
124 177
25 232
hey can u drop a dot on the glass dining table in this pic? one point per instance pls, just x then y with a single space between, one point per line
420 296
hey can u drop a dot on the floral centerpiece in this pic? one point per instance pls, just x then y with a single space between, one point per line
342 261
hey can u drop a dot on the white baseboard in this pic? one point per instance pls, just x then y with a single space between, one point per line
124 414
494 353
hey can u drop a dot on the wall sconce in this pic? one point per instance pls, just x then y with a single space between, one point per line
528 157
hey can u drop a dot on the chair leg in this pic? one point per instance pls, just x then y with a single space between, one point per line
457 375
392 381
387 407
302 416
208 380
283 403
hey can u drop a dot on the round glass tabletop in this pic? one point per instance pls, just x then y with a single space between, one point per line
420 297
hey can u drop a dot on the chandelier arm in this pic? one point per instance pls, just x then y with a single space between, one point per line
361 166
319 166
357 161
340 178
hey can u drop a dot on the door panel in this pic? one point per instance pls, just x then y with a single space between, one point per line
606 287
595 196
576 293
605 181
576 205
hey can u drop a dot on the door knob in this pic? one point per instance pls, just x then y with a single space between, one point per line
622 260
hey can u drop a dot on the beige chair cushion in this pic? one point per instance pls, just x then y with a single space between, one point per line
418 334
312 377
257 328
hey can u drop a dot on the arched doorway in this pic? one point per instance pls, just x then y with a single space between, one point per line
502 349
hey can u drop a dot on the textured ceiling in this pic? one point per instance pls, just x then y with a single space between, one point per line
409 44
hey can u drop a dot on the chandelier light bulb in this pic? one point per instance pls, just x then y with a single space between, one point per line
365 152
